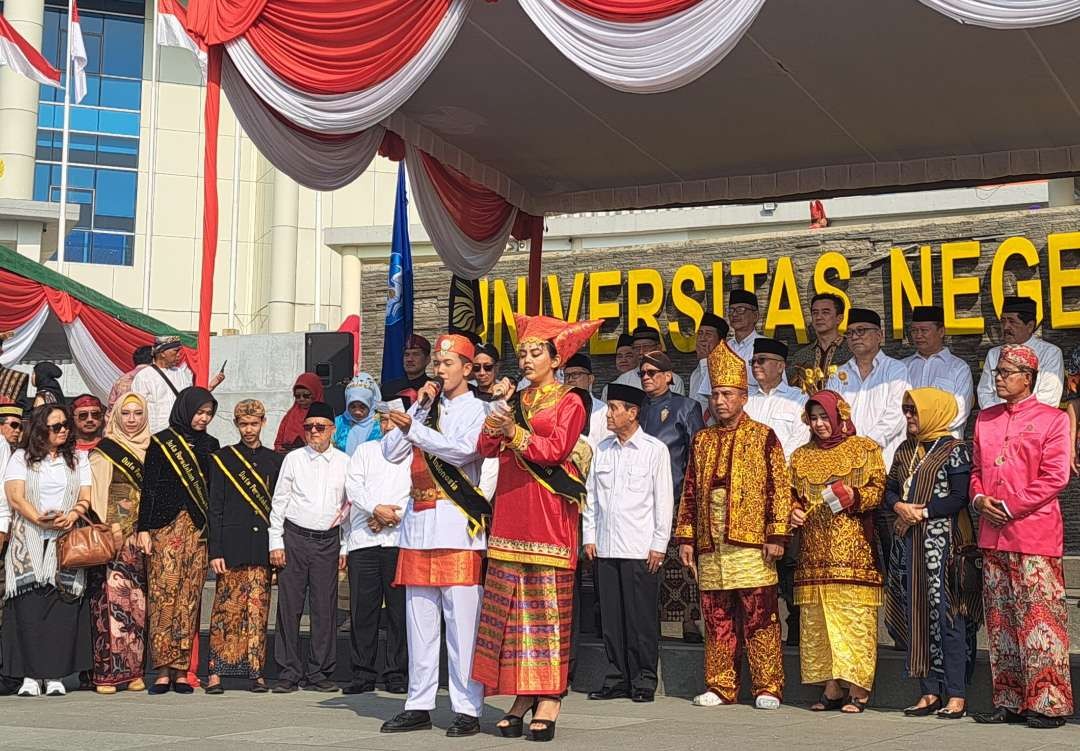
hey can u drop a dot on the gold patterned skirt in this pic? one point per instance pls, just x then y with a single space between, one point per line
238 622
176 575
838 632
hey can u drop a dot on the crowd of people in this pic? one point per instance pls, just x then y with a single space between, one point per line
835 477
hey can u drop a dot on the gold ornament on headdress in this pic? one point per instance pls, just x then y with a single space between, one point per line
726 368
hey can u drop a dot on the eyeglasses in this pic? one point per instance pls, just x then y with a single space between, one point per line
761 360
575 374
315 428
909 410
862 331
13 424
1003 373
741 310
643 373
484 367
89 414
59 427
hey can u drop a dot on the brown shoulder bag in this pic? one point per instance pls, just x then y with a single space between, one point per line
92 544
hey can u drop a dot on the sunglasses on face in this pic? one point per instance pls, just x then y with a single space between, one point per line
648 373
315 428
59 427
763 360
14 425
91 414
909 410
484 367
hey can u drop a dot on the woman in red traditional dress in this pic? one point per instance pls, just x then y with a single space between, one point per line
523 642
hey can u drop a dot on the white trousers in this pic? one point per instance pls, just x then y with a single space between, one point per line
425 609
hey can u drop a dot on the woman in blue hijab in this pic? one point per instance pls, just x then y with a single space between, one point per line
358 422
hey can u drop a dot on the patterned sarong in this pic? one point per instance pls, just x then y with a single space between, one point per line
176 577
523 641
238 622
118 610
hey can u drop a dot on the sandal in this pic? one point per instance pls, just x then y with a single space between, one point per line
547 732
825 704
859 704
515 725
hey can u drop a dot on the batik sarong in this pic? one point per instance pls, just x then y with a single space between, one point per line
523 641
176 575
678 590
238 622
118 609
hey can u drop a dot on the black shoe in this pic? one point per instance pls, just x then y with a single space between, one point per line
926 711
464 725
325 686
999 716
543 735
404 722
182 688
641 696
157 689
945 714
397 687
608 692
284 687
258 686
1043 722
359 688
214 690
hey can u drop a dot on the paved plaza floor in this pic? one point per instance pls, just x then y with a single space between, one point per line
249 722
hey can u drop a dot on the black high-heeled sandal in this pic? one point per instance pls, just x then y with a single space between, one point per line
825 704
515 725
547 732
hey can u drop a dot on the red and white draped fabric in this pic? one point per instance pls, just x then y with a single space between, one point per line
77 52
169 31
19 55
1007 14
644 46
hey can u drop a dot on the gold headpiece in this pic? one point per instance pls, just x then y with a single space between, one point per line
726 368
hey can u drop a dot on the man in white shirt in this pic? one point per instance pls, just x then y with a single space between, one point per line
646 340
626 526
161 381
578 373
1018 324
711 331
442 537
743 314
378 491
309 524
873 385
934 366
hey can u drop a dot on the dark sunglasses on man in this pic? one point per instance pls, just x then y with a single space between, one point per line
484 367
88 414
315 427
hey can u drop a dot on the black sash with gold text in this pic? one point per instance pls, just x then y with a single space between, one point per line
246 479
123 461
455 484
556 479
182 459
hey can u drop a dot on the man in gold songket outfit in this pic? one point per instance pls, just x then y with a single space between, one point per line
733 524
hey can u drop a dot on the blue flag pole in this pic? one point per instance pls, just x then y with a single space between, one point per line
399 298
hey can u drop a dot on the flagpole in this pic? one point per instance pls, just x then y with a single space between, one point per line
151 175
61 238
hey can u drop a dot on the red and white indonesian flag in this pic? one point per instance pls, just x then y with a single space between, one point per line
170 31
77 50
21 57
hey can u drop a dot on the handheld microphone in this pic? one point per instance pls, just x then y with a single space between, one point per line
426 401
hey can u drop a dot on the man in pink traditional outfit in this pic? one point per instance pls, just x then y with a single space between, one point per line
1021 461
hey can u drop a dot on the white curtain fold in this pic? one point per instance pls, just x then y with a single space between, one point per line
357 110
97 370
312 162
1007 14
651 56
16 347
464 256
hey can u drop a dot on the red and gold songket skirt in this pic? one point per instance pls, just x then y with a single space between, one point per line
523 641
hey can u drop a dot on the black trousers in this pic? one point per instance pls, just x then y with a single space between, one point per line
628 596
371 573
310 573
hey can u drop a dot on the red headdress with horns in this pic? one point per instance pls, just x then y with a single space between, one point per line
567 337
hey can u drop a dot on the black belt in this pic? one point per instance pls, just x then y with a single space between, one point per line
311 534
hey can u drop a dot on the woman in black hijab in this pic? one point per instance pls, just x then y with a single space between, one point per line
172 532
47 385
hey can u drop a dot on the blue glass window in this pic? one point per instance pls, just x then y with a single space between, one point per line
103 149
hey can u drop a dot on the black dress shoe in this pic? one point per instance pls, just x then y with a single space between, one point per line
924 711
397 687
999 716
214 690
947 714
1043 722
464 725
258 686
325 686
284 687
641 696
182 688
607 692
157 689
404 722
364 687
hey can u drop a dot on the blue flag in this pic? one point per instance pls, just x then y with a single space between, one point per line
399 297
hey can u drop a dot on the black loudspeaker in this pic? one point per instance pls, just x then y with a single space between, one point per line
329 355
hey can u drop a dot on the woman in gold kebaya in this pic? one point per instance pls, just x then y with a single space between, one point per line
838 480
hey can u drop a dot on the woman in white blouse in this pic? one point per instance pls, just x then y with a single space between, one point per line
46 631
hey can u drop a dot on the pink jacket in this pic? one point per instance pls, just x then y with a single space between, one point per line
1021 456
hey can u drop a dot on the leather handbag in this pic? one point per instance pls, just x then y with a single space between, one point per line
92 544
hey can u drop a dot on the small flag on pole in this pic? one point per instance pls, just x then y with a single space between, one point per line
77 50
19 55
399 298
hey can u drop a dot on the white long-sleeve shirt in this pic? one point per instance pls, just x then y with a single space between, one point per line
745 350
148 384
944 370
877 402
782 410
598 429
460 422
310 493
5 509
371 481
631 498
700 385
1051 379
